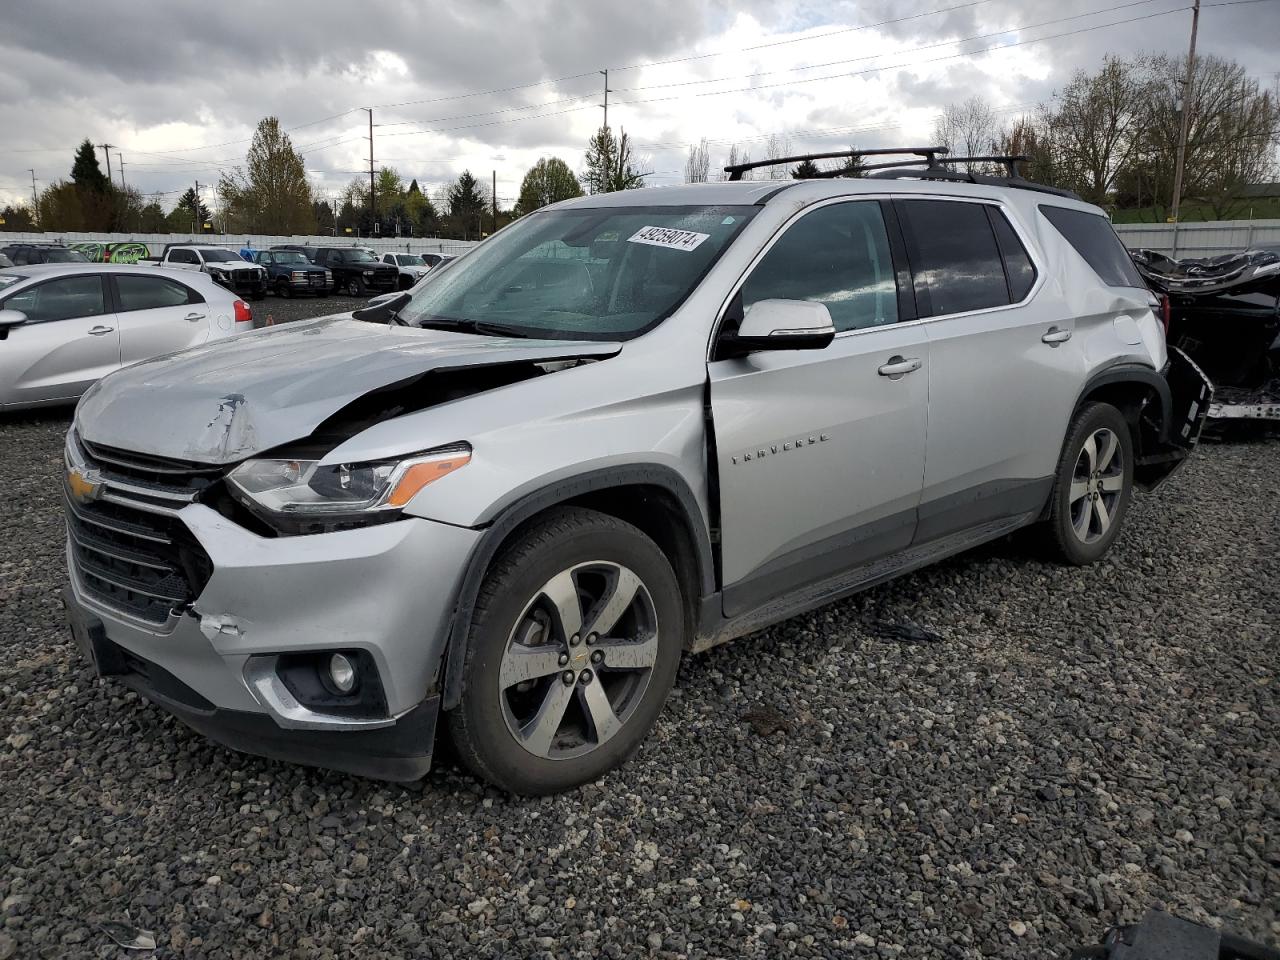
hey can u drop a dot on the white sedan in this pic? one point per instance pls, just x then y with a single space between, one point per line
63 326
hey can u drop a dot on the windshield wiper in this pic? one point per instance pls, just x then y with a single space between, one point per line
481 327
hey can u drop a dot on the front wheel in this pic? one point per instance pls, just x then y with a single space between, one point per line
574 646
355 288
1093 486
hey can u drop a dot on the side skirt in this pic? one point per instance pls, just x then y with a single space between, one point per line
716 630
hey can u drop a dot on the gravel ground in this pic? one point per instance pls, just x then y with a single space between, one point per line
1074 747
276 309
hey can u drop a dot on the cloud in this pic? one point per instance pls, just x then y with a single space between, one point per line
179 87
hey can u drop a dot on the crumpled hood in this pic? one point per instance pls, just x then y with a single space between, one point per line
236 398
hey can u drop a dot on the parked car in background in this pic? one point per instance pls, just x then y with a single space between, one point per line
5 261
62 326
356 271
289 272
224 266
627 426
23 254
411 267
434 259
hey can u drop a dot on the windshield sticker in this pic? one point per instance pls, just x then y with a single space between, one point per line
666 237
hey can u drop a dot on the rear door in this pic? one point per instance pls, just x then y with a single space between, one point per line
820 453
1004 370
69 341
158 315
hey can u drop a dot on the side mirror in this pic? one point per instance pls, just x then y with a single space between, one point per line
782 325
382 309
11 318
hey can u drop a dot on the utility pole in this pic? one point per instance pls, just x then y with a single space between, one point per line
106 148
195 209
120 157
34 201
495 201
606 98
373 204
1186 114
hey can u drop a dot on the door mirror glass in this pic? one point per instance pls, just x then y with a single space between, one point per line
783 325
12 318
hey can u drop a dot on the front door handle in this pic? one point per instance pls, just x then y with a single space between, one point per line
100 331
1056 336
898 367
193 317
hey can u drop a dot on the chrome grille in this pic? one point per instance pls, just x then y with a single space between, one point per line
128 549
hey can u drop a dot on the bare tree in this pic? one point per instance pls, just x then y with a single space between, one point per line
1096 126
735 157
775 149
698 164
966 129
1232 134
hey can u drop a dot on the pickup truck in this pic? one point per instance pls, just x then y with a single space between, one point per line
289 273
357 272
411 266
224 266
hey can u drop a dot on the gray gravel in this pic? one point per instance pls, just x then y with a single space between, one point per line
1077 746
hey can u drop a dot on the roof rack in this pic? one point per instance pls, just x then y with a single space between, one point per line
934 163
929 155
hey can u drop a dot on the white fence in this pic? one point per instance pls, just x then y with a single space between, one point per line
1199 239
127 247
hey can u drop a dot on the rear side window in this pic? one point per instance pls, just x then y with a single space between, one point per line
1093 238
954 257
148 293
182 256
838 256
1018 268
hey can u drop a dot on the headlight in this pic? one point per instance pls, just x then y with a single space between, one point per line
328 274
368 273
298 274
306 490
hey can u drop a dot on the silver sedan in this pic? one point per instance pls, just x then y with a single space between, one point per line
64 326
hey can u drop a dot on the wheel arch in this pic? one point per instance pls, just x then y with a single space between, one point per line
1142 395
655 499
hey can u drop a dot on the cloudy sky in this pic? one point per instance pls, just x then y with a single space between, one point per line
492 85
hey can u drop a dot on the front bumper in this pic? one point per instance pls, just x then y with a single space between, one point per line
241 282
401 751
316 283
386 590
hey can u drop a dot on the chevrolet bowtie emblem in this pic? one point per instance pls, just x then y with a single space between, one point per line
82 488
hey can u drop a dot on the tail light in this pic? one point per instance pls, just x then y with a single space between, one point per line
243 316
1166 312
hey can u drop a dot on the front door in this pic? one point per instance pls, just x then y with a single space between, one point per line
820 453
68 342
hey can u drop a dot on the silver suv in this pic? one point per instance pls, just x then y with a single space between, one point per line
626 427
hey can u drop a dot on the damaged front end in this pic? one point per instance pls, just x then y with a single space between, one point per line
1224 313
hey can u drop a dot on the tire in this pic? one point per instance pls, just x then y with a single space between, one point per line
1092 488
282 289
354 288
404 283
580 557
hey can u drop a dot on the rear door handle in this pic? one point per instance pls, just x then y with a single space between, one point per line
99 331
193 317
898 367
1056 336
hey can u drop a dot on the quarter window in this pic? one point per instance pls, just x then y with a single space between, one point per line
1095 239
1017 262
148 293
838 256
60 299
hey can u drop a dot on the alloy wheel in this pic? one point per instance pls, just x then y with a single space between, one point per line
1096 485
579 659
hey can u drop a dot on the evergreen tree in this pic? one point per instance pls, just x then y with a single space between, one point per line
85 172
805 170
191 209
466 205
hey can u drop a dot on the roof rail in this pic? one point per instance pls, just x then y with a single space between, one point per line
929 155
945 170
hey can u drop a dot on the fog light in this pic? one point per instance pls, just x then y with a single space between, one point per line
342 673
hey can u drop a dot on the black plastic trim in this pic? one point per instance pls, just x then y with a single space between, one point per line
517 513
1127 372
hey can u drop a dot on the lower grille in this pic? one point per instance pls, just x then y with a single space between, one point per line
129 550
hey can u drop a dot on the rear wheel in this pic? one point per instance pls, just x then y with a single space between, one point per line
574 647
1093 486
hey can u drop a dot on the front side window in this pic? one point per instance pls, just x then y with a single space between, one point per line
954 257
60 299
1095 239
595 273
838 256
148 293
